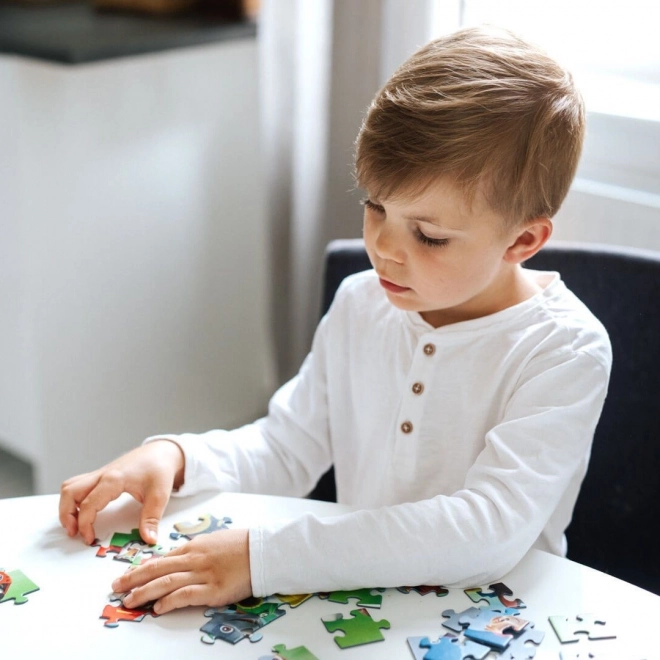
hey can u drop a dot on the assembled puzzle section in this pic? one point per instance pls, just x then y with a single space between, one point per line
129 548
499 629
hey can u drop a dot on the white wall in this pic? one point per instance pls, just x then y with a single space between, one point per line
133 261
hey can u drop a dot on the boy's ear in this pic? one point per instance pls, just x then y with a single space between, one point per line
528 240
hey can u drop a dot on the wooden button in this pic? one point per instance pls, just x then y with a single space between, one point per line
429 349
407 427
417 388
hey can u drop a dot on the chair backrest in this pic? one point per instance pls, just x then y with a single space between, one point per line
613 527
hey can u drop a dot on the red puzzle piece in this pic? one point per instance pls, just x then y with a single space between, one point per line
116 613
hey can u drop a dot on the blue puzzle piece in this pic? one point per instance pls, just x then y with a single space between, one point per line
453 621
448 647
523 646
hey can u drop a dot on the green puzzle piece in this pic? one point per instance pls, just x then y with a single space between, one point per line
361 629
299 653
19 587
120 539
364 597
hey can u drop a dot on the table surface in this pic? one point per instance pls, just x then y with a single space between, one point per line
62 618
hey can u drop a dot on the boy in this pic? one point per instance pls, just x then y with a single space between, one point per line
455 392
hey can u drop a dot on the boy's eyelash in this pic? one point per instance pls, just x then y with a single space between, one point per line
372 206
431 242
422 238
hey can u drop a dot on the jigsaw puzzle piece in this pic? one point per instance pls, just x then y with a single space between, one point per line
361 629
266 611
493 627
117 542
293 600
205 524
448 647
523 646
104 550
116 613
417 651
136 552
499 595
567 630
453 621
282 653
15 585
364 597
424 589
231 626
115 597
5 581
236 622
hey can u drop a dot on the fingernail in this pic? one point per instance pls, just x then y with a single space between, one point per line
152 535
115 585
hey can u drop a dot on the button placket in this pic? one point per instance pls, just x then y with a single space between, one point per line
413 403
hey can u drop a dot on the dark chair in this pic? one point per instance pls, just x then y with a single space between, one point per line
615 518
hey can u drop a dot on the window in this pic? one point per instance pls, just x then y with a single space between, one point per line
613 50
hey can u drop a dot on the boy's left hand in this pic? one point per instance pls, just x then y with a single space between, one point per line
212 569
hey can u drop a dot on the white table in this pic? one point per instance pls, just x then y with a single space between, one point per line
62 618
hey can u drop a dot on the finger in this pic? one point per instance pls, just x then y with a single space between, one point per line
155 501
72 492
157 589
109 488
148 572
188 595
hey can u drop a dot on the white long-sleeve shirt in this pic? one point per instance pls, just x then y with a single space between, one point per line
463 445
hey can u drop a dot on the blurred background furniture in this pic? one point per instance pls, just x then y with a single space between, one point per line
132 197
613 527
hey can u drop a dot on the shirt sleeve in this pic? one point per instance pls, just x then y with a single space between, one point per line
473 536
283 453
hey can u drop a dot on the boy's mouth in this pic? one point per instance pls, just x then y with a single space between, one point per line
390 286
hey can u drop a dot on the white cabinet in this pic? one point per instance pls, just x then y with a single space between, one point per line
133 253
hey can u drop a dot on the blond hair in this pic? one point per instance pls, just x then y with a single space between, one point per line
485 108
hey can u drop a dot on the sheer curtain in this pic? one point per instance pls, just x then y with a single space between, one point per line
321 63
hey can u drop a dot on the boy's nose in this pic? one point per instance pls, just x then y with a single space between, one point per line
388 244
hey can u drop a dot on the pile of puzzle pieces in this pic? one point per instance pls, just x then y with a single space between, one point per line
129 548
492 628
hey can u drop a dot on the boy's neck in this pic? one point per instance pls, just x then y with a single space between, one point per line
514 286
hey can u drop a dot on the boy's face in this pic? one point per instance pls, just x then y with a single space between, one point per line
436 255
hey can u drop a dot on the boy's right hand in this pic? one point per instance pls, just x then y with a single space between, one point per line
148 473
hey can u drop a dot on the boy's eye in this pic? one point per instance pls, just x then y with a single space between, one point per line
431 242
372 206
